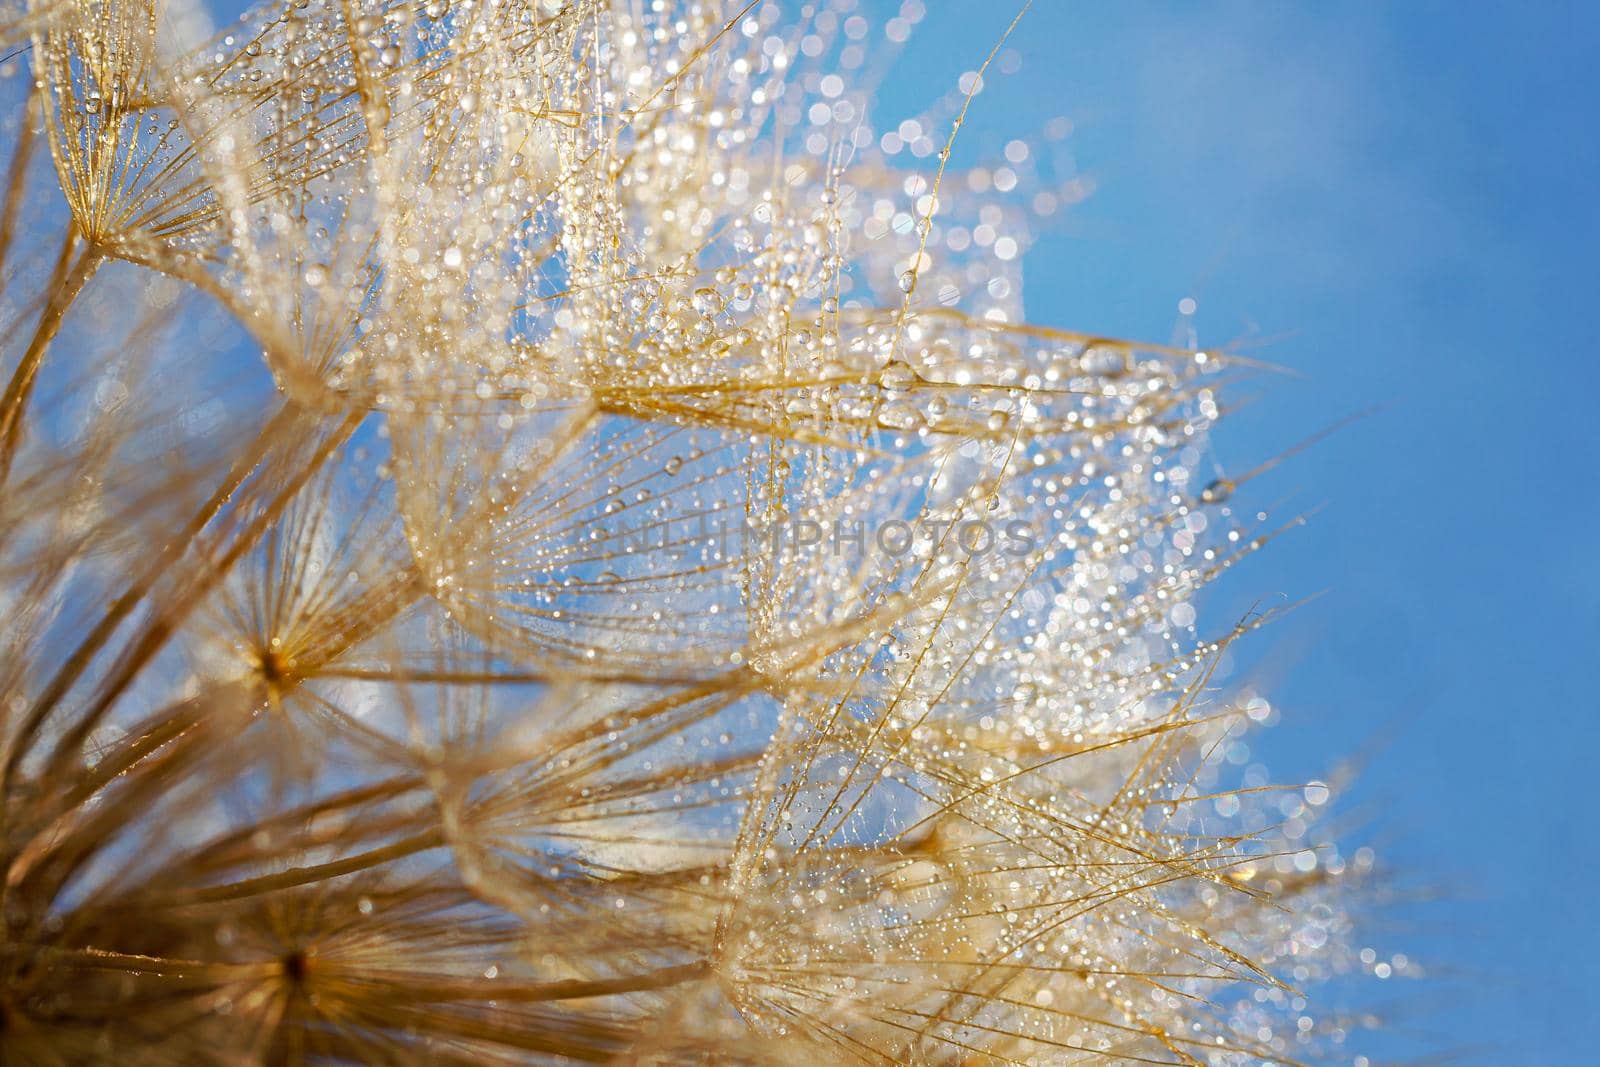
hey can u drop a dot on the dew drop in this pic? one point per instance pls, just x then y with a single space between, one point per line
706 301
898 375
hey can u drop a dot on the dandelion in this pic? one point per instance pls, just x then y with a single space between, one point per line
528 535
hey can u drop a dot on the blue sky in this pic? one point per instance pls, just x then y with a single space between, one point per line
1397 202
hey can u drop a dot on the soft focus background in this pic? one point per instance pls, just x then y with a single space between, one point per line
1397 203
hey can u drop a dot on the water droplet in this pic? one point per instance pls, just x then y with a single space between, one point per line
1104 361
707 301
898 375
900 417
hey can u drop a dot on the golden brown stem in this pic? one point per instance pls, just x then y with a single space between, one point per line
66 283
15 181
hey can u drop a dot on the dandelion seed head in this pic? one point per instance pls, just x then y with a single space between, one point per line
536 532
